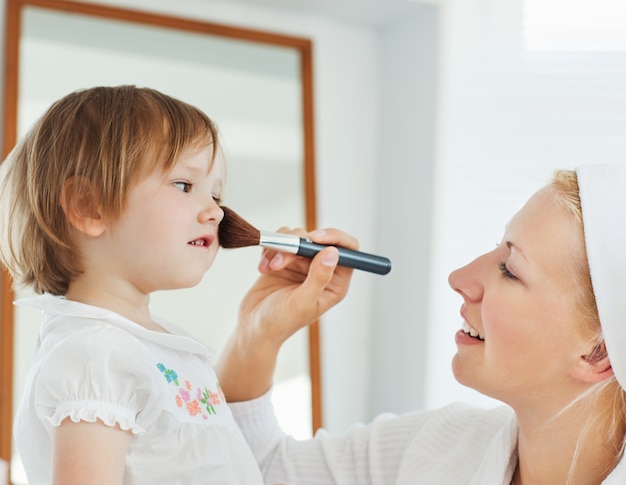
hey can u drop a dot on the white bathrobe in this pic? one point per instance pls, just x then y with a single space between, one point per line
453 445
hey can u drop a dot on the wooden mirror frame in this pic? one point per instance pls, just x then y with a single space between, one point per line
11 82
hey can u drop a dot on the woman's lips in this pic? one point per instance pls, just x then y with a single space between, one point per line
471 331
467 329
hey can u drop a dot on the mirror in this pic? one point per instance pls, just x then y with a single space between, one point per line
257 86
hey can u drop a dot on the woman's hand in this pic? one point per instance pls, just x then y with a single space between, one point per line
291 293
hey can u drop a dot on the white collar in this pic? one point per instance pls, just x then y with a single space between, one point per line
52 306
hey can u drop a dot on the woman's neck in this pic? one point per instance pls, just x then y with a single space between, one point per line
568 448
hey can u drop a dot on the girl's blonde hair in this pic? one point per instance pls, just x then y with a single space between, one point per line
105 138
613 422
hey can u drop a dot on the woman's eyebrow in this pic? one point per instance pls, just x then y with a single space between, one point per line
511 245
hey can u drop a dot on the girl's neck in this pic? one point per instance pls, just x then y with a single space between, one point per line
135 309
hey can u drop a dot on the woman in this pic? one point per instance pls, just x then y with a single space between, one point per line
542 331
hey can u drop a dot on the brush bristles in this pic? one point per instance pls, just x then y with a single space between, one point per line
235 232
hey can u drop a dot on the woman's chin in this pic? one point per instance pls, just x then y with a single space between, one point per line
463 374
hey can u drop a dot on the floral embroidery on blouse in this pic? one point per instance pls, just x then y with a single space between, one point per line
169 374
201 403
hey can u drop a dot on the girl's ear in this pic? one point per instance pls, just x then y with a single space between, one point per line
82 206
594 366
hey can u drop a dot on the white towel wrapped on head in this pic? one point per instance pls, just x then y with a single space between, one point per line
603 199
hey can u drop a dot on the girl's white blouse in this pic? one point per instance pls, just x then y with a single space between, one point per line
91 363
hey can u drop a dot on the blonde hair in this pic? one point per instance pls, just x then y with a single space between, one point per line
613 423
107 137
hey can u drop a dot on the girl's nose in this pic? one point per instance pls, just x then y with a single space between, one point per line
467 280
212 213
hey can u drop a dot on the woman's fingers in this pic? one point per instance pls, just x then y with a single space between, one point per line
272 260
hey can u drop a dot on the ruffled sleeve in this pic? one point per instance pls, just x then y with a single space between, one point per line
97 373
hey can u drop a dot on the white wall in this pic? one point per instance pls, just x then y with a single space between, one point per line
407 129
353 132
472 126
375 95
508 119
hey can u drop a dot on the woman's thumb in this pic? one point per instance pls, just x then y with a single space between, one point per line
322 269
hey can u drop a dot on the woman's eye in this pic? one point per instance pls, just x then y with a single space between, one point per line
217 199
505 272
184 186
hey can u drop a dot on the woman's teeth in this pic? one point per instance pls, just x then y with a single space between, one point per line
198 242
471 332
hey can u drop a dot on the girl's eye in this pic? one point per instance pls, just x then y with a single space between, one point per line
217 199
184 186
505 272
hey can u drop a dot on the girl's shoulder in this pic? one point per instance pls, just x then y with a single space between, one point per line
73 323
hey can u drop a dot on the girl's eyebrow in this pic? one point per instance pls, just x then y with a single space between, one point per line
189 167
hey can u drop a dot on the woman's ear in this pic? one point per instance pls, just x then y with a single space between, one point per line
82 207
594 366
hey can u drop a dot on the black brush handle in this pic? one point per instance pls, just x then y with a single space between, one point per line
348 257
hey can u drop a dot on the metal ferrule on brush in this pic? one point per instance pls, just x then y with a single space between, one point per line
288 243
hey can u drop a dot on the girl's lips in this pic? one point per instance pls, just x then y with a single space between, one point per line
204 241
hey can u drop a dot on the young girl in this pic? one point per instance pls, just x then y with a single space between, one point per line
542 328
112 195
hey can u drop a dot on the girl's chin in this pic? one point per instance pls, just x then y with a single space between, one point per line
183 284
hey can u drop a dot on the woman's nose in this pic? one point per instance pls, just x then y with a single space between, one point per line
467 280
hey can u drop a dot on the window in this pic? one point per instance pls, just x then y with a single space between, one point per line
574 25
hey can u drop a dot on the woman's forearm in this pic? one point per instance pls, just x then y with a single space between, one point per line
290 294
246 366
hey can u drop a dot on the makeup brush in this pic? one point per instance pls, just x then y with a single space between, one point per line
235 232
